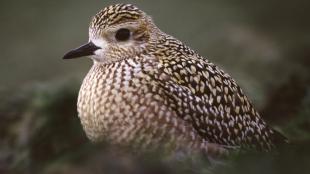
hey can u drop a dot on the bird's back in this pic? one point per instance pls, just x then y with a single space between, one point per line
210 100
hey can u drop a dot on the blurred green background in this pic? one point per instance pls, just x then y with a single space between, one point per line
264 45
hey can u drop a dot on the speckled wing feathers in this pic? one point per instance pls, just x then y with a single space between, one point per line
210 99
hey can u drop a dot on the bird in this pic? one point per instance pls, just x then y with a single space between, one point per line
150 90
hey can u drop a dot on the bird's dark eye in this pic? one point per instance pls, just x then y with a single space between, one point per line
122 34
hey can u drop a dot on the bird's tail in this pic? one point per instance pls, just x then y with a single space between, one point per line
279 139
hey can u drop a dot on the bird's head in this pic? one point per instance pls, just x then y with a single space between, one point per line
117 32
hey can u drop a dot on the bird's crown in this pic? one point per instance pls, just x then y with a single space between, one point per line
115 14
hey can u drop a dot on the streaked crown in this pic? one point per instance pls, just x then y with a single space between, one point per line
115 14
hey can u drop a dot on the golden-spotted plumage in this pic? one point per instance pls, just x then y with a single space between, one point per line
152 90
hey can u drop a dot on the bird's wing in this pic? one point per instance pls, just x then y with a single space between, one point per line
212 102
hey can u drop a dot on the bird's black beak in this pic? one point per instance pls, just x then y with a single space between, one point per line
84 50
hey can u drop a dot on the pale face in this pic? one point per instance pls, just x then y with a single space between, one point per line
119 41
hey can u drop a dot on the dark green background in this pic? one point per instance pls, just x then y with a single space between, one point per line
264 45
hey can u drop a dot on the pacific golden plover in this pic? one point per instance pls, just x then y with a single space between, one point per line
146 87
